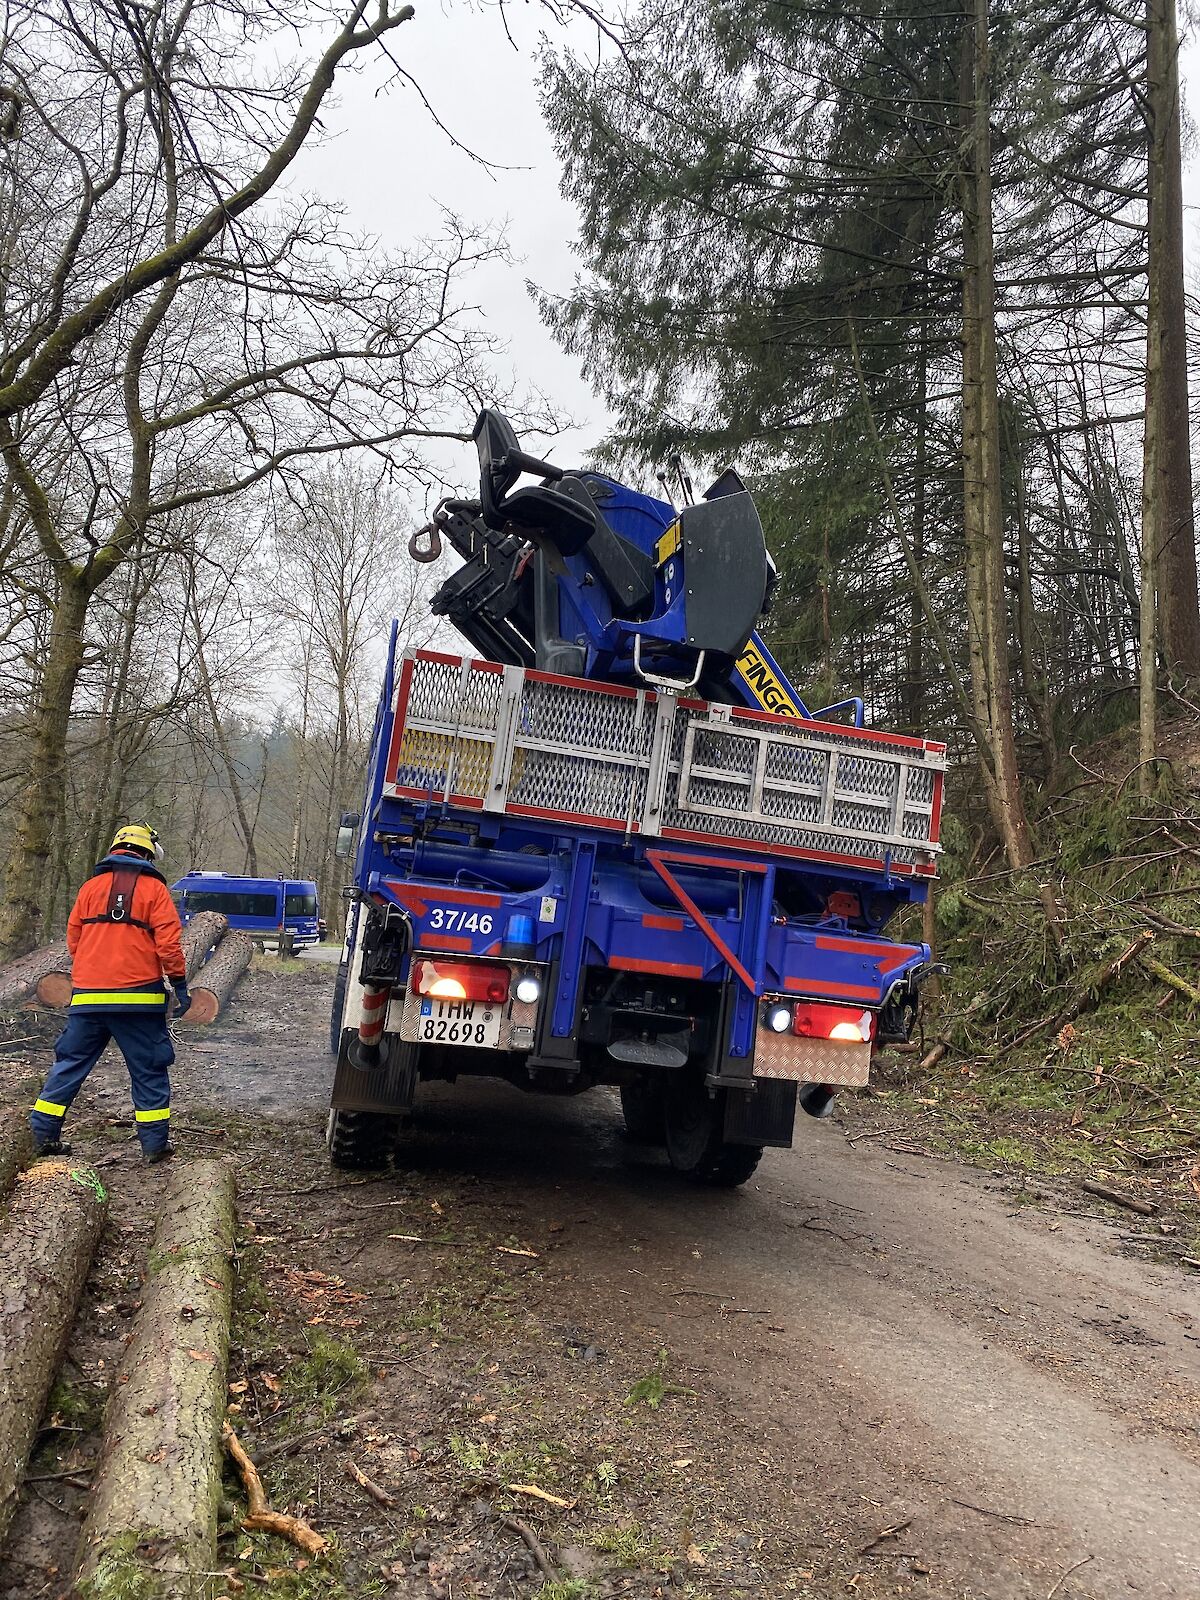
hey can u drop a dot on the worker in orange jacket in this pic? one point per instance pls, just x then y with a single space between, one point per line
123 934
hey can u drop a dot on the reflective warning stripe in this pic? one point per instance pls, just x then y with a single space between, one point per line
119 997
152 1116
49 1109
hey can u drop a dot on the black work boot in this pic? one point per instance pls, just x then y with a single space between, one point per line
152 1157
52 1147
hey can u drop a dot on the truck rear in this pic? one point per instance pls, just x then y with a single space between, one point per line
570 880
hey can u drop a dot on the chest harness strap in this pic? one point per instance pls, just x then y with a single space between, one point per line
120 900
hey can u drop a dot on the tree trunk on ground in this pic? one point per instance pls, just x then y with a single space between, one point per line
19 978
157 1487
46 1248
16 1148
215 980
32 826
205 929
1178 602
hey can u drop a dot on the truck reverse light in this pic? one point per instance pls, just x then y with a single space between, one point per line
528 989
834 1022
779 1018
460 980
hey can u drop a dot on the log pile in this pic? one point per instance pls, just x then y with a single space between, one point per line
152 1521
215 980
46 974
50 1234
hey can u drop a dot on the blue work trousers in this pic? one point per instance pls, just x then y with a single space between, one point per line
146 1046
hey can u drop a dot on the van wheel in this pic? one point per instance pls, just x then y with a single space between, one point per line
360 1141
695 1122
339 1002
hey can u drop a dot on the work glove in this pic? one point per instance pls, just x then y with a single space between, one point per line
183 1000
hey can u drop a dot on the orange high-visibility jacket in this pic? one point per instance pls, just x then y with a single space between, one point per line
114 956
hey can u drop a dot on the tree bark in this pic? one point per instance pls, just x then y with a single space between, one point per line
33 819
217 977
49 1237
157 1488
16 1148
19 979
1178 598
206 929
983 517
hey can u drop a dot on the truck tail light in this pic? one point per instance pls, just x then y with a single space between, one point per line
846 1024
460 980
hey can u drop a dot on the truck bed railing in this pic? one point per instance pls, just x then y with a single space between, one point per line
519 742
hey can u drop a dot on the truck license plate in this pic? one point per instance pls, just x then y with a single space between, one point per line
469 1022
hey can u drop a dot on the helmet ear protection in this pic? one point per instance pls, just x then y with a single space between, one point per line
137 836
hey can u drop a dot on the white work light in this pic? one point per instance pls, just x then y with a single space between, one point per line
528 989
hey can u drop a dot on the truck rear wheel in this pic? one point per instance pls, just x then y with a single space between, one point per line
695 1123
360 1141
642 1108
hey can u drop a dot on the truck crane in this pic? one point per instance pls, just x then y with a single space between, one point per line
613 846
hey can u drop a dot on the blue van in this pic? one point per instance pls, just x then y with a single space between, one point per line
265 907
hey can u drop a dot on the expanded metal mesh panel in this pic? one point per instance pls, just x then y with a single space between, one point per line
790 787
640 761
581 785
559 713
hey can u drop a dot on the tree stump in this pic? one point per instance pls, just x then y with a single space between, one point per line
152 1520
19 978
46 1248
215 980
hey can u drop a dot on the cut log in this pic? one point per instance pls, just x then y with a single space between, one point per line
152 1521
215 980
206 929
16 1148
53 987
46 1248
19 978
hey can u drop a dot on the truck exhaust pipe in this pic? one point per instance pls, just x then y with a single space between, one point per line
817 1099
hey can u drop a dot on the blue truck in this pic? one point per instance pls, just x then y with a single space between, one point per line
285 909
614 846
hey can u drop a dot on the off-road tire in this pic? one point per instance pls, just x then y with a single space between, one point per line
335 1014
360 1141
697 1150
642 1108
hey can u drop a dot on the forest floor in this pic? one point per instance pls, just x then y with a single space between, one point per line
874 1371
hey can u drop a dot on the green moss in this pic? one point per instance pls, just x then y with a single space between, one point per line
329 1372
121 1574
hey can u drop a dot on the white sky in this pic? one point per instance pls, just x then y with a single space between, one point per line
390 166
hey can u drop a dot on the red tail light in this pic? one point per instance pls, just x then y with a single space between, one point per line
460 980
846 1023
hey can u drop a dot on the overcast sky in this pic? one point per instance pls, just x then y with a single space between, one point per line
391 167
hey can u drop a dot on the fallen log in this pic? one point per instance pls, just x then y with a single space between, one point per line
53 986
1117 1197
215 980
46 1248
19 978
206 929
152 1521
16 1147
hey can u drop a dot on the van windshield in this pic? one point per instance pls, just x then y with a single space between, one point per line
233 903
300 905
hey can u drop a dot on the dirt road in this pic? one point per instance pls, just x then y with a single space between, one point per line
876 1373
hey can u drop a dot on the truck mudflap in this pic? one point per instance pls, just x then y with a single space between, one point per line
764 1115
390 1086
